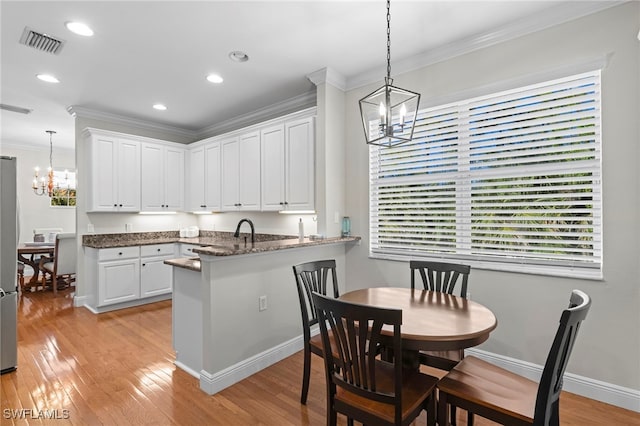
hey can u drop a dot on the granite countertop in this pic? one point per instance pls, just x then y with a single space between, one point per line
231 249
192 263
206 238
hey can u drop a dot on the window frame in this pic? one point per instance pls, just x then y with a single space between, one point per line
463 233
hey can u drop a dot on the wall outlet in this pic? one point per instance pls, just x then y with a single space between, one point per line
90 228
262 303
128 227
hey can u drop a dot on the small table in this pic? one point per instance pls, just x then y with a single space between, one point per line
27 253
431 320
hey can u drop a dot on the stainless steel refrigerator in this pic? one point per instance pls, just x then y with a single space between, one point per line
8 264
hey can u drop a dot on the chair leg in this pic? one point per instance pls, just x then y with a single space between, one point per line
305 374
54 279
454 421
443 413
431 410
469 418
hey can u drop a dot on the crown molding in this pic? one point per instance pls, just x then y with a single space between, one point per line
560 14
297 103
330 76
80 111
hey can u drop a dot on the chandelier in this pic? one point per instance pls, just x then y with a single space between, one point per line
42 185
389 113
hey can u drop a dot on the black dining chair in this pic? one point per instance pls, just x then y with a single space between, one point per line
312 277
359 384
507 398
442 277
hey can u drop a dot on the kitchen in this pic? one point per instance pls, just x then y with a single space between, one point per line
341 158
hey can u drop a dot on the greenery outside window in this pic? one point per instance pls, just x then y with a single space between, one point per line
507 181
64 192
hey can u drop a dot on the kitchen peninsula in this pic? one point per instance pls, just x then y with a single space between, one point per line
235 307
236 310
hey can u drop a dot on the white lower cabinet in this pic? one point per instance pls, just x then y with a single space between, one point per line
127 275
118 275
156 277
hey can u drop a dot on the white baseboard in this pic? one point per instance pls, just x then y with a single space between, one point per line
188 370
595 389
212 383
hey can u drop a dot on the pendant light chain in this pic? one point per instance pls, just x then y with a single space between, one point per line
388 39
51 132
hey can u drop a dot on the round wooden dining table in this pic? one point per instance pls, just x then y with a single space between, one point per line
431 320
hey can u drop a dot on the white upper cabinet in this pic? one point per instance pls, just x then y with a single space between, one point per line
241 172
288 172
162 178
272 168
114 173
204 173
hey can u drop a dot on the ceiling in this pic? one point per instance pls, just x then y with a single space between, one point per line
146 52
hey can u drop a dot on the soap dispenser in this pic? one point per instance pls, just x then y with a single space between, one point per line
300 230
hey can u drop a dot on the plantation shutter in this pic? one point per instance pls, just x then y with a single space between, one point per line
509 177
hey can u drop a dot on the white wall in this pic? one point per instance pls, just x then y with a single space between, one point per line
528 306
35 211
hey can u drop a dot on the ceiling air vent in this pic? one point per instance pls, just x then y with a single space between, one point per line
14 108
41 41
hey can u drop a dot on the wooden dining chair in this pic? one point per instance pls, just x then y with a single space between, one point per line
312 277
61 268
442 277
360 385
507 398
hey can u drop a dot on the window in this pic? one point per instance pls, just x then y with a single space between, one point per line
508 178
64 189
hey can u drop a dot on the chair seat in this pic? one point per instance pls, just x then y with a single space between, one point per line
315 343
47 267
416 387
490 386
444 360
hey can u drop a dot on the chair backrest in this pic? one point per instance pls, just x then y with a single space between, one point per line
440 276
551 381
313 277
357 335
65 254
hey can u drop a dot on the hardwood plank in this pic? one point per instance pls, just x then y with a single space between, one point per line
117 368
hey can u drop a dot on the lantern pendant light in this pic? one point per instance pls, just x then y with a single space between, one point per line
389 113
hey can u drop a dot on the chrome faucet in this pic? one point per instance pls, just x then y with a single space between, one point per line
253 230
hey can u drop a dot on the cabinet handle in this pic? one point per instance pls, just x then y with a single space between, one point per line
144 264
115 205
286 203
120 205
158 249
202 205
281 203
120 254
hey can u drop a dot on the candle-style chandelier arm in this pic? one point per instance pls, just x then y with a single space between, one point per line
42 185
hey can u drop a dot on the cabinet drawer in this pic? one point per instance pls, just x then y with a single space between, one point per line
118 253
187 250
157 250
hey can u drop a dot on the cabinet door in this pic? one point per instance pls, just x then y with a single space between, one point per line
249 169
212 177
196 179
230 174
103 175
118 281
173 178
128 175
152 177
272 168
155 277
299 167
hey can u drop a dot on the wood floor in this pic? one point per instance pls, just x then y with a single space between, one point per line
116 368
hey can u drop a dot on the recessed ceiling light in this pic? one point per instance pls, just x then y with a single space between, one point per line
48 78
215 78
79 28
160 107
238 56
